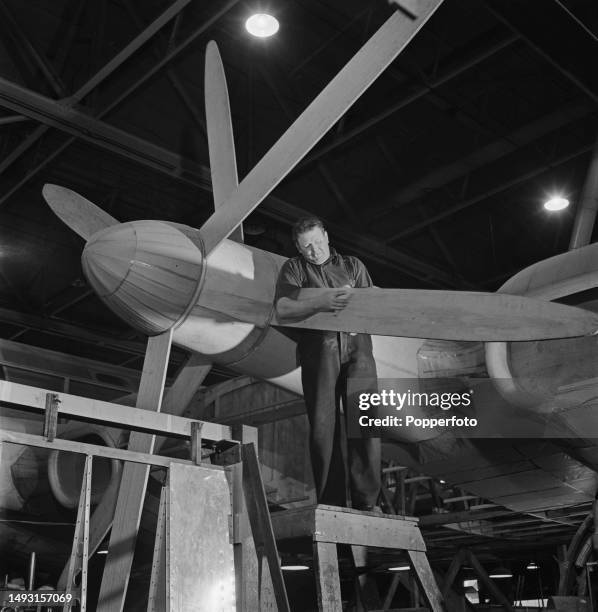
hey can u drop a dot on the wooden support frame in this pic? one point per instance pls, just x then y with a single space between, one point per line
157 591
488 582
83 537
261 525
328 526
249 594
327 578
51 416
80 551
452 571
196 442
24 397
425 580
366 590
127 513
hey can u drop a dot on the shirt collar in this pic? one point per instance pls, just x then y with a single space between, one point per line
333 257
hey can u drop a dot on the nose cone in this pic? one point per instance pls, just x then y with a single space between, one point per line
147 272
108 256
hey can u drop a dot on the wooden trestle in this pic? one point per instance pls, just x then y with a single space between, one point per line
328 526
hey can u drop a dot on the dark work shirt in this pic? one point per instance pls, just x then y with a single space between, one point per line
337 271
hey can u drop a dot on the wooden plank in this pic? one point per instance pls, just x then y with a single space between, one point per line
452 572
157 591
180 394
246 561
365 530
359 73
133 482
261 525
346 526
80 552
366 585
51 416
196 442
496 593
17 437
221 143
24 396
426 581
392 589
450 315
327 578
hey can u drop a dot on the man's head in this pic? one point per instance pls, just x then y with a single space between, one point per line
311 240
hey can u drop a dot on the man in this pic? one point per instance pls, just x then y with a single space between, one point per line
327 360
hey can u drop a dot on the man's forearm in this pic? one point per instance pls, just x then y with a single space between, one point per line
286 308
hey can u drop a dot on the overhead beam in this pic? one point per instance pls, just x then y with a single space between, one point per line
42 64
47 363
367 245
68 330
483 156
555 34
81 125
420 91
488 193
98 78
179 88
171 55
585 216
13 119
322 169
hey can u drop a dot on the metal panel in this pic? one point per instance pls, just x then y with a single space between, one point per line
201 568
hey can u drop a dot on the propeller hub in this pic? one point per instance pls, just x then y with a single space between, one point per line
148 272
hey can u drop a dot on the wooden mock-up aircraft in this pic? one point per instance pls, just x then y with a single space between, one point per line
216 294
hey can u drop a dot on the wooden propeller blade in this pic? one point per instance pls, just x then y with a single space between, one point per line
450 315
315 121
81 215
221 144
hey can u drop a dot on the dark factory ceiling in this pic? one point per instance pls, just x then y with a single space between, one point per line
435 177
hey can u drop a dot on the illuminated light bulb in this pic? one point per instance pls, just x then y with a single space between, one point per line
294 568
399 568
556 203
262 25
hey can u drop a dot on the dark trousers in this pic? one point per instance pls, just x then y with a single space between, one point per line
326 366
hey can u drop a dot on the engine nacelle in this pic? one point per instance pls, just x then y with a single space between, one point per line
529 373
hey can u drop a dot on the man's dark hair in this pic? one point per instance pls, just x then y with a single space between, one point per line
305 224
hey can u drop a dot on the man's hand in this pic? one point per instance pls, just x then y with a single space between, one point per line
329 301
335 301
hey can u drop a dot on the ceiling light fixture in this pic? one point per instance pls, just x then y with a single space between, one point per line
556 203
532 566
262 25
294 568
501 572
399 568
